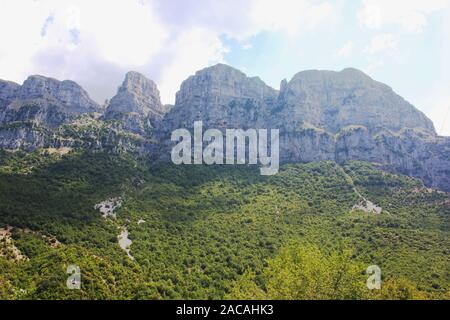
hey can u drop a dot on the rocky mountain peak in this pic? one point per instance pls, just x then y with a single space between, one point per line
333 100
326 79
221 69
220 83
221 96
29 112
8 92
67 93
321 115
137 94
137 104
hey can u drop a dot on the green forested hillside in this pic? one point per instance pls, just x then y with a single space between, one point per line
204 232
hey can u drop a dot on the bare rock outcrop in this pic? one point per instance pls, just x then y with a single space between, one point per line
334 100
321 115
137 105
221 97
29 111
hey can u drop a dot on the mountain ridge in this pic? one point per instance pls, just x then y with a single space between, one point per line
137 103
321 115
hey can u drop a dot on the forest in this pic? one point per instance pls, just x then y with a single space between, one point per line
217 232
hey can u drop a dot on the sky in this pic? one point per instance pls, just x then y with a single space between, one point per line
403 43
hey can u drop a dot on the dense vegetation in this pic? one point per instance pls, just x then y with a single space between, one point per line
219 231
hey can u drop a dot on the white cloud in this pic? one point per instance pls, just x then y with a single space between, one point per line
19 43
382 46
58 33
96 42
373 65
127 33
289 16
411 15
193 50
436 105
346 50
381 43
242 19
436 102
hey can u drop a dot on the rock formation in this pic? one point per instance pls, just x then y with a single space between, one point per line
28 112
334 100
321 115
222 97
137 105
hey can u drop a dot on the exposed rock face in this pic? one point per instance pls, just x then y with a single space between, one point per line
8 92
137 104
308 145
321 115
341 116
412 152
22 136
41 103
44 101
222 97
334 100
68 94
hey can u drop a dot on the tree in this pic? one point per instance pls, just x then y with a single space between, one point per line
399 289
304 272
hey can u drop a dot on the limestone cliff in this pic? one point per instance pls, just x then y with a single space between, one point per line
321 115
137 105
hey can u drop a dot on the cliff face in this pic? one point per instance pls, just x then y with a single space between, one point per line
222 97
71 97
43 101
8 92
334 100
341 116
411 152
27 112
137 105
321 115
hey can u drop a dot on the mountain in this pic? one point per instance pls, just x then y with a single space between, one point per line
29 111
222 97
334 100
321 115
8 91
45 101
137 104
341 116
90 186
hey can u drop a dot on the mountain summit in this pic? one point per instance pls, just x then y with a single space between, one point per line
43 101
137 94
333 100
221 96
137 103
321 115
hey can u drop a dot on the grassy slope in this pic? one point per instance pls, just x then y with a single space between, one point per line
206 226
